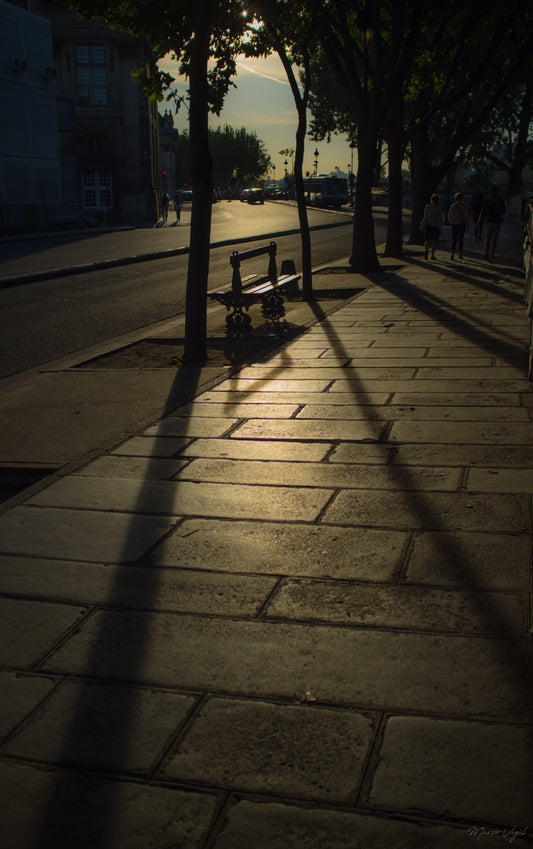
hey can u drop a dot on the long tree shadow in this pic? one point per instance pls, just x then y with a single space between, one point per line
65 819
466 325
494 620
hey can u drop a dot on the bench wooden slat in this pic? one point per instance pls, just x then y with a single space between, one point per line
271 287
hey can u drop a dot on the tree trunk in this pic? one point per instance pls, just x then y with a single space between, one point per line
364 258
301 100
421 184
305 235
195 349
394 244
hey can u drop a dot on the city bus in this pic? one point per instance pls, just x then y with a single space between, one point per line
322 190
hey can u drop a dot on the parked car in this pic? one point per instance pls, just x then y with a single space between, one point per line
253 196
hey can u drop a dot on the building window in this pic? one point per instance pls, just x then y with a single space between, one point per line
91 75
96 144
97 190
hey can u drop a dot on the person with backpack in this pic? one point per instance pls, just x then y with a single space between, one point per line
492 214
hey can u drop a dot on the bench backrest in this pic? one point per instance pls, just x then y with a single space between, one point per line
237 257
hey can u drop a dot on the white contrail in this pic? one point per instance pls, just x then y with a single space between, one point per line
259 74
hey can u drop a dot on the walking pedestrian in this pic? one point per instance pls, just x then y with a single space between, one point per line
458 218
492 214
164 206
431 225
177 205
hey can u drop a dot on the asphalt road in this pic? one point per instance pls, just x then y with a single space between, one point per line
42 321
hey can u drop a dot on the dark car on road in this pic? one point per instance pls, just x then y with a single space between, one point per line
253 196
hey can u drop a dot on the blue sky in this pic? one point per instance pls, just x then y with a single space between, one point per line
262 103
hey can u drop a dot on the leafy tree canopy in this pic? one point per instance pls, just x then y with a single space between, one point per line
237 155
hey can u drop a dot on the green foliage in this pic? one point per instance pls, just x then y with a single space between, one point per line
238 155
331 106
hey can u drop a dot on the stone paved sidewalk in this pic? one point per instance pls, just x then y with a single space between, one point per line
295 613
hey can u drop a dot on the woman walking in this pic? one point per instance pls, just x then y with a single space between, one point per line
458 218
431 224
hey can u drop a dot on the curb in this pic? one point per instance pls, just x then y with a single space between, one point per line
51 274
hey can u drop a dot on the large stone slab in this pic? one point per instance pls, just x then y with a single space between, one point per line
152 446
184 498
429 387
469 372
100 726
406 607
331 373
101 537
413 412
319 430
283 549
245 410
274 825
180 589
484 561
194 426
321 474
364 352
425 366
405 338
258 397
28 629
299 751
253 449
466 351
464 770
70 809
506 456
310 363
20 695
463 433
361 452
140 468
459 399
439 511
275 383
500 480
394 670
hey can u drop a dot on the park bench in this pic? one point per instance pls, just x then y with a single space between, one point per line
241 293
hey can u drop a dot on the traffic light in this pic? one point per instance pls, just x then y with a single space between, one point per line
307 173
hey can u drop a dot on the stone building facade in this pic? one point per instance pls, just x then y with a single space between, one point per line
111 162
